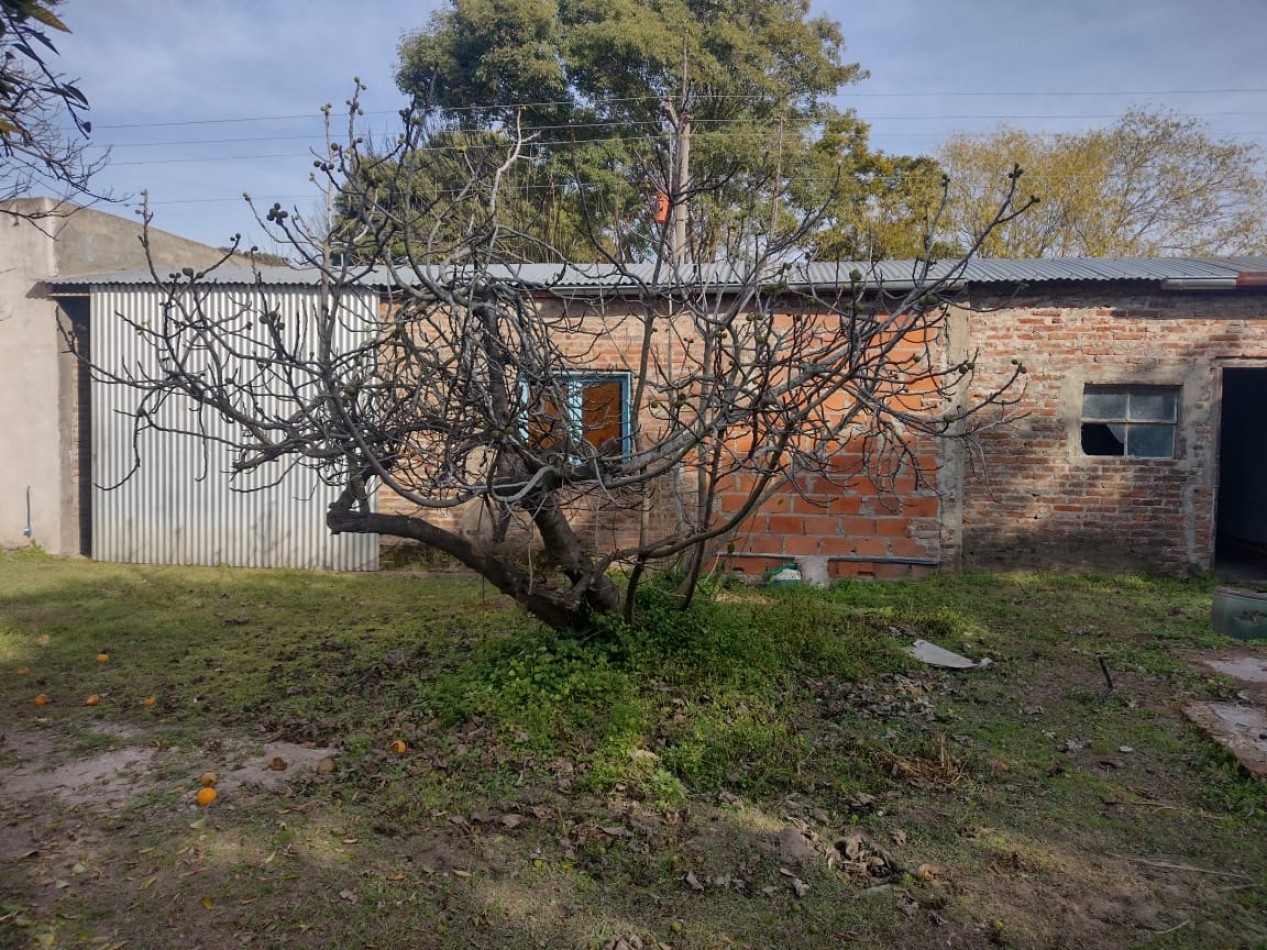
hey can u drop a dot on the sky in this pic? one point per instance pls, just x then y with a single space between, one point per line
201 102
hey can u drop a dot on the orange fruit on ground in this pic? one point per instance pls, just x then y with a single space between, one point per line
103 657
205 797
149 700
22 671
93 700
41 699
399 747
208 779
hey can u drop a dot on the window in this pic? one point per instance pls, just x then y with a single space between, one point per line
595 411
1137 421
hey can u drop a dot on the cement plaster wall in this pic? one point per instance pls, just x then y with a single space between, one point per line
38 425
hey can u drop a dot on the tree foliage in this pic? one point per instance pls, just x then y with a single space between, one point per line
1151 184
35 103
609 98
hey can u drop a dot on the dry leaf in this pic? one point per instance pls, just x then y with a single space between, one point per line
325 766
800 887
853 847
278 764
693 882
348 896
512 821
927 872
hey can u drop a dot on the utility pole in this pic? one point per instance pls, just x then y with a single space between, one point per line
681 173
681 182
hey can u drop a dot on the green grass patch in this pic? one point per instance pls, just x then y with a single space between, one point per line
632 781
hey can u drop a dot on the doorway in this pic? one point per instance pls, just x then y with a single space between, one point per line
1241 522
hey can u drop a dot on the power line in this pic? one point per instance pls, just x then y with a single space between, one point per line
506 107
581 126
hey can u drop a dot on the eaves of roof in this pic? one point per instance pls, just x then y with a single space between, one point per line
1173 273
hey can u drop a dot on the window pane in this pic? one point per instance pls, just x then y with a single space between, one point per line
602 414
1153 405
1101 439
548 424
1103 403
1151 442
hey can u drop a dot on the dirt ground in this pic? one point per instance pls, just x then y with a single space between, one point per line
68 814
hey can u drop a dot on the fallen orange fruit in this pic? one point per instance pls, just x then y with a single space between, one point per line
41 699
399 747
149 700
92 700
205 797
103 657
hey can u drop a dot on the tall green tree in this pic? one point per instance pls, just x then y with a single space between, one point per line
610 96
1151 184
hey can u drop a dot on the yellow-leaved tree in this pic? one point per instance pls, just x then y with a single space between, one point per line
1153 184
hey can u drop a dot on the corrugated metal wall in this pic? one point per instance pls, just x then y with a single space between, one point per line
180 506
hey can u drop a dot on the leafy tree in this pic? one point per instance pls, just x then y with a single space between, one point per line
1151 184
34 99
620 102
874 206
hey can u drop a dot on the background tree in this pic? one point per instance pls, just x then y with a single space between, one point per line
1151 184
739 378
874 206
620 102
35 103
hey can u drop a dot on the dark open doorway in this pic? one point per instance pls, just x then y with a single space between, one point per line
1241 538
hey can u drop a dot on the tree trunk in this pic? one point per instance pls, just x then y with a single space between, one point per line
557 609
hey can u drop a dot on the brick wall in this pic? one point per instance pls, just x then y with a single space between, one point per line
1024 495
869 515
1031 497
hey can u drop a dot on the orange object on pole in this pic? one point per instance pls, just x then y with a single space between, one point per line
661 207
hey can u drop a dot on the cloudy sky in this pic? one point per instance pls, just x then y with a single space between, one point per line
200 102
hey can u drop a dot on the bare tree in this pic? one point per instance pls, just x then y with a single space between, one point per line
546 424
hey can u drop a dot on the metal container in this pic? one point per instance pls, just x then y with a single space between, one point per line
1241 614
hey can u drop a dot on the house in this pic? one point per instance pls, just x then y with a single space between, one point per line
1138 441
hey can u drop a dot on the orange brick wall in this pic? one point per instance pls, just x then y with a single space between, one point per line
1024 496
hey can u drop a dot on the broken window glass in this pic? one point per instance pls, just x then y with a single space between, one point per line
1135 421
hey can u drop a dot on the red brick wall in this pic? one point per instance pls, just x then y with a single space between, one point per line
1024 496
849 518
1031 498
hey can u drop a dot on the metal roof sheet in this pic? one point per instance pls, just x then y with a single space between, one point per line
577 278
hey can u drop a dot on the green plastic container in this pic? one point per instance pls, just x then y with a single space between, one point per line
1241 614
785 575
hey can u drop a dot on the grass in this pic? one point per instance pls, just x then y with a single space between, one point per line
640 783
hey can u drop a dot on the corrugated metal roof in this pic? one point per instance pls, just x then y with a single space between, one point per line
577 278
